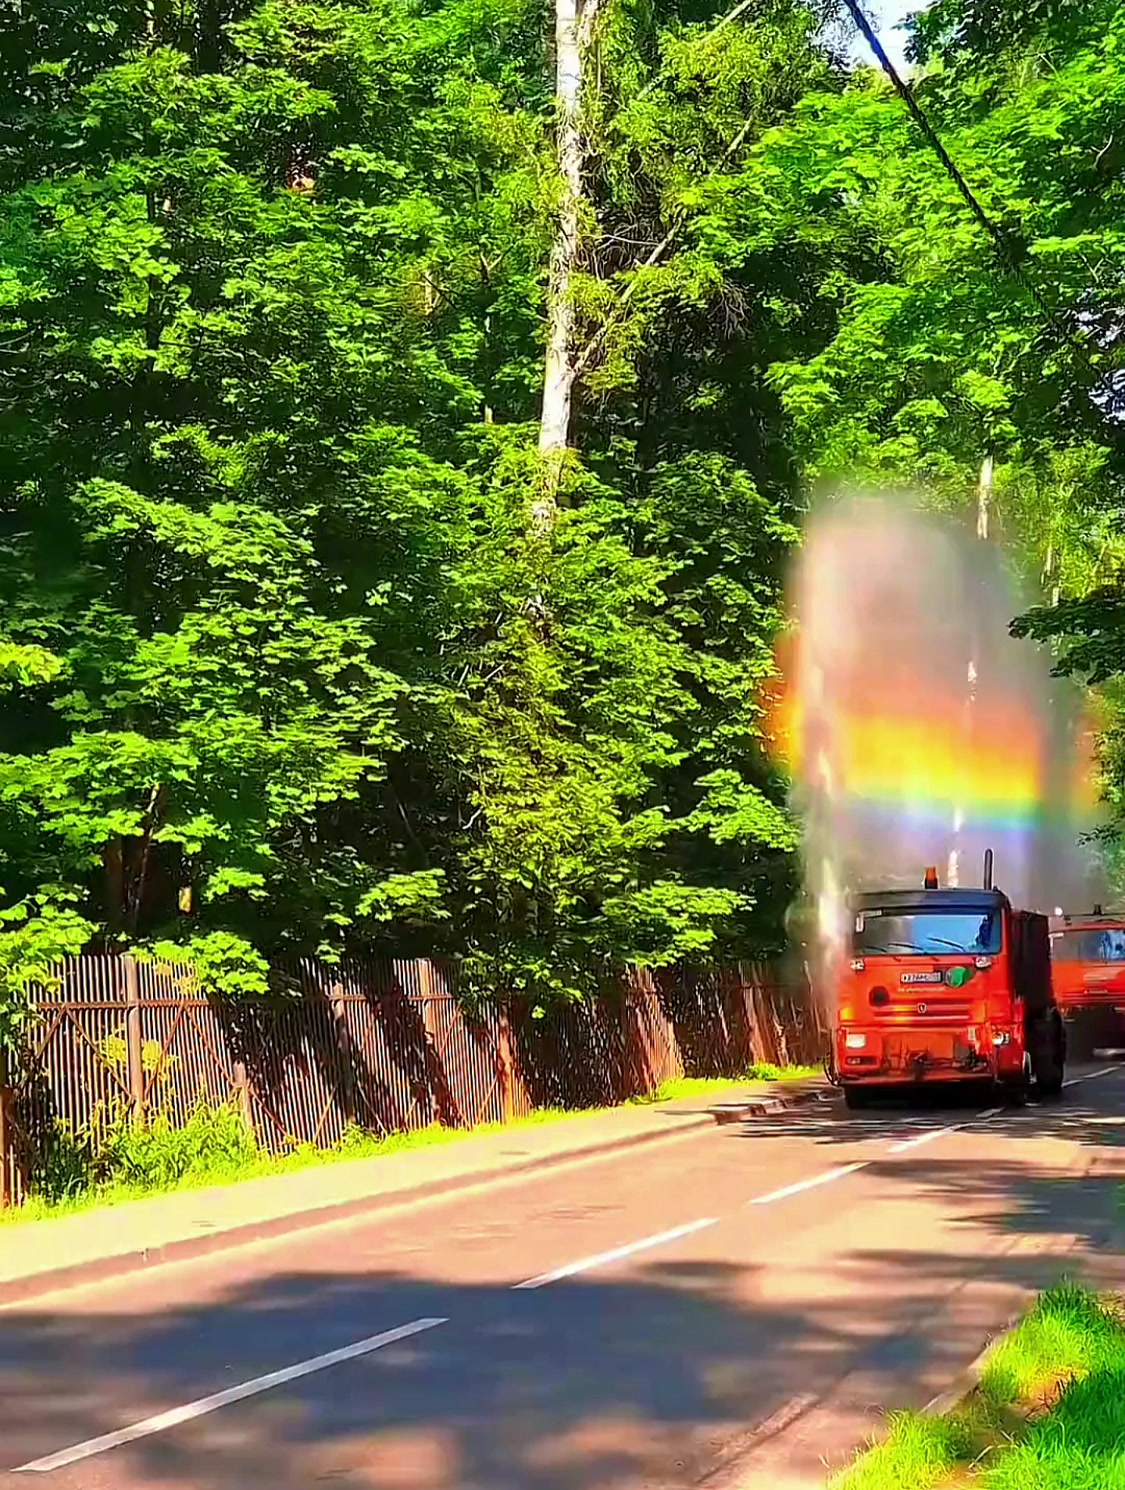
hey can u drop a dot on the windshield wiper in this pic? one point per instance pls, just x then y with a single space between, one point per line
955 945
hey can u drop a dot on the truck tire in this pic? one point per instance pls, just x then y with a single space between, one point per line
1050 1061
1050 1086
1015 1093
856 1098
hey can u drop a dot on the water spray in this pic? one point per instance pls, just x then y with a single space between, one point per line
900 755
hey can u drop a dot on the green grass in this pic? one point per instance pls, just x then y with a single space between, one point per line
1049 1413
218 1168
1079 1443
214 1148
919 1453
763 1071
1068 1333
714 1086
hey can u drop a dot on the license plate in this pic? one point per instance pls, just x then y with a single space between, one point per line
922 977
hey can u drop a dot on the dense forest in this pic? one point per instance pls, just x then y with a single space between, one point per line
322 627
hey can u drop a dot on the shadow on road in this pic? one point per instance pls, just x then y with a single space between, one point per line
1077 1115
597 1382
580 1386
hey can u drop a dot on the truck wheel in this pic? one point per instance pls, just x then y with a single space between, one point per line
856 1098
1050 1067
1015 1090
1052 1085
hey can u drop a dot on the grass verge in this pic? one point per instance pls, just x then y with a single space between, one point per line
716 1086
1048 1414
214 1147
918 1453
229 1167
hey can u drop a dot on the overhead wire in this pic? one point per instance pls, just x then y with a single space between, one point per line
1000 240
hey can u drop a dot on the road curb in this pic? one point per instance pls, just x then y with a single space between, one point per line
188 1249
765 1106
967 1381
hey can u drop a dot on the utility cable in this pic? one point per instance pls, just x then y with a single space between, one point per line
996 234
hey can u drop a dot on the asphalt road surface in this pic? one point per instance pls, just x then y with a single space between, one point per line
721 1310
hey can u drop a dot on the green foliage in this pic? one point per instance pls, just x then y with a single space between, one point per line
276 642
213 1143
1093 627
915 351
220 962
271 291
36 933
935 354
114 1153
112 1161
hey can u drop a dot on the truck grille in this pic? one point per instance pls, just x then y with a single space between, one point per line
936 1011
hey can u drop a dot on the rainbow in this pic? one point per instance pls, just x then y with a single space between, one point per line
899 752
917 757
935 766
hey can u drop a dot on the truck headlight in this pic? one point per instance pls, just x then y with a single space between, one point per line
1001 1037
855 1040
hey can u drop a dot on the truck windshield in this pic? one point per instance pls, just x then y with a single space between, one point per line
926 933
1089 945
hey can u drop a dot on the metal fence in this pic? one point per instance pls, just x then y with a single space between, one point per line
386 1047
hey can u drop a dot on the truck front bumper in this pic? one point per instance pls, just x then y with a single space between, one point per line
892 1056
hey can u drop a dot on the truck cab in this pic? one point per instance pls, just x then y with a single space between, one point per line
945 986
1088 970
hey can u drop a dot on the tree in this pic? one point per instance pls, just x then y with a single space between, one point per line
224 513
274 283
938 351
940 355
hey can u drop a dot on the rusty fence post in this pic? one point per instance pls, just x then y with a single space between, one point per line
6 1155
750 1012
672 1064
638 1004
633 1053
344 1055
244 1094
134 1043
718 999
437 1093
504 1053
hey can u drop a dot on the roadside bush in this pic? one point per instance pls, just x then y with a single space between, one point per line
214 1143
112 1151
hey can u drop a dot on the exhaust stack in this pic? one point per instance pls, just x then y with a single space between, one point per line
988 869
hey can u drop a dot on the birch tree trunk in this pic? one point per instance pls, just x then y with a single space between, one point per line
573 28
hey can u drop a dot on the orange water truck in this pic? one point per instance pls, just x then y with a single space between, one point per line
946 986
1088 970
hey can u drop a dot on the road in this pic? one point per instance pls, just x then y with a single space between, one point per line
719 1310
